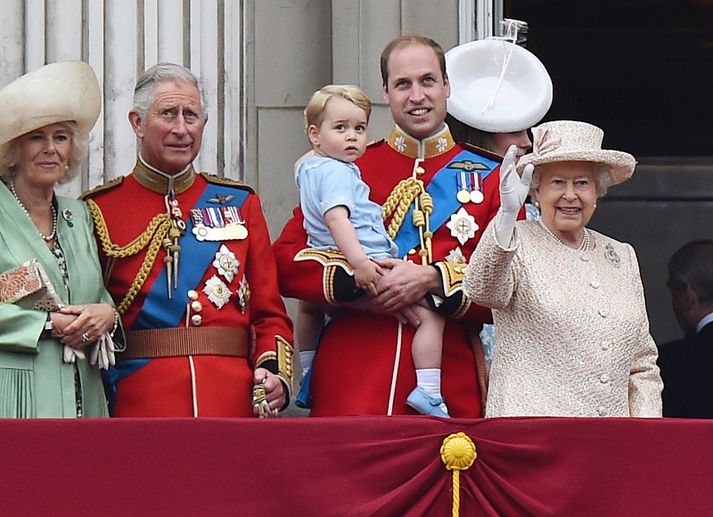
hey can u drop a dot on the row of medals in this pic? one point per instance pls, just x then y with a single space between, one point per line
470 187
209 224
218 224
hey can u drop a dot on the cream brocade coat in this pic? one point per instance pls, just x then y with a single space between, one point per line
571 329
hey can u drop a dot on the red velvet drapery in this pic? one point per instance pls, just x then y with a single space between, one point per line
355 466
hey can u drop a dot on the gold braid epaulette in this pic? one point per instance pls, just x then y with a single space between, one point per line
101 188
217 180
152 236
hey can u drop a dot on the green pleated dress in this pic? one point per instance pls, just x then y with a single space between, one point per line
34 379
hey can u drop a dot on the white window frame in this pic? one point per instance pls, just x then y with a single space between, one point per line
478 19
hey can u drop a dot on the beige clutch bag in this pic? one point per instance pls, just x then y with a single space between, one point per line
27 285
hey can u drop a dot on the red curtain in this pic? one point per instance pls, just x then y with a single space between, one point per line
355 466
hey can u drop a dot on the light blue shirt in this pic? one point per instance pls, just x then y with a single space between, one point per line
325 183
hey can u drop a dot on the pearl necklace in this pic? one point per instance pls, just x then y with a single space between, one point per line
583 246
46 238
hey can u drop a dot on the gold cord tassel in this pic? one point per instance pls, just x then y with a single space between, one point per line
457 453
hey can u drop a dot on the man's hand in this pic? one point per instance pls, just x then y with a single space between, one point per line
274 390
404 283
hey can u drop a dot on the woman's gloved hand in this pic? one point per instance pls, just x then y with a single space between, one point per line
513 193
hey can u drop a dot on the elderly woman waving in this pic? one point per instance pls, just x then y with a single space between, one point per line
568 304
53 305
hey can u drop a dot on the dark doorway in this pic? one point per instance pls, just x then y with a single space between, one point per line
642 70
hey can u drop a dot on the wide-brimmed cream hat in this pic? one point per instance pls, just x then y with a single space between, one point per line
497 86
58 92
572 141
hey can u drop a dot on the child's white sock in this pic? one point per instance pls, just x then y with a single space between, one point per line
429 380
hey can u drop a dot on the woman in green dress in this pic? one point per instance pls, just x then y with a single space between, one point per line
46 355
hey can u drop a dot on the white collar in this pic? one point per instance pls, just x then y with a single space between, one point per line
705 320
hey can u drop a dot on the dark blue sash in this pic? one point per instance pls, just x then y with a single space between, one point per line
443 189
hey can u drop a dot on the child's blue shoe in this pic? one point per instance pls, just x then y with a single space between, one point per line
426 404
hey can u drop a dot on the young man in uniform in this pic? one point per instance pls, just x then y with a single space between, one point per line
438 198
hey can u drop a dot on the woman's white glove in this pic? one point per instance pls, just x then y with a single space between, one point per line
513 193
103 352
70 354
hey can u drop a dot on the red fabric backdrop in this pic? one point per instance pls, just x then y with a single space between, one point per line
355 466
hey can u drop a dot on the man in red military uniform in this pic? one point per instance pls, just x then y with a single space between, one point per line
438 198
187 258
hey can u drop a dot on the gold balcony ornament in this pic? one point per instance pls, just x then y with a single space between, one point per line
457 453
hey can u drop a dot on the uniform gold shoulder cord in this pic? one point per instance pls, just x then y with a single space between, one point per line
408 191
152 236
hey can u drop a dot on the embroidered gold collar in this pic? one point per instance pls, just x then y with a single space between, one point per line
429 147
161 182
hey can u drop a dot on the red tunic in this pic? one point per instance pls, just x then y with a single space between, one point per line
354 365
223 384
